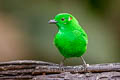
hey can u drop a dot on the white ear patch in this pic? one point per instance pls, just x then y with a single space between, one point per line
70 18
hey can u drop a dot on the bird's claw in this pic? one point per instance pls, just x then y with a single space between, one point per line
61 67
84 67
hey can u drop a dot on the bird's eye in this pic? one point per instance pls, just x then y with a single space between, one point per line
62 19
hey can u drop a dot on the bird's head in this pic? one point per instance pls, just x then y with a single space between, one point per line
63 20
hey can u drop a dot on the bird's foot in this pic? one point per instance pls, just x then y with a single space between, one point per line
84 67
62 67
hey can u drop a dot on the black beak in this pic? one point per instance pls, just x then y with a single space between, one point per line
52 22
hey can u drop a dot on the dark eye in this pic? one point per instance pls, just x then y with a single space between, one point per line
62 19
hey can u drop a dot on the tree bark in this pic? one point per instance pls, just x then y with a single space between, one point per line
39 70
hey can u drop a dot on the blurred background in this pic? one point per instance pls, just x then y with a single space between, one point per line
26 35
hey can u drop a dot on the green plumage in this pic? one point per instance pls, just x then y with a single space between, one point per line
71 40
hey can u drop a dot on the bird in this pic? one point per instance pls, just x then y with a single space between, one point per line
71 39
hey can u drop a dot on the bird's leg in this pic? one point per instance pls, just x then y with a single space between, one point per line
62 64
84 64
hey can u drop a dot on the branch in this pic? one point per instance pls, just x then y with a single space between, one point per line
39 70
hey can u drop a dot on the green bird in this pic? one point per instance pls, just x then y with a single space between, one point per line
71 40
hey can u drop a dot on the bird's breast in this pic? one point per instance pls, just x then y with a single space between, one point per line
74 38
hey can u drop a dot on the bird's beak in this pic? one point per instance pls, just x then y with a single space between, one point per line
52 22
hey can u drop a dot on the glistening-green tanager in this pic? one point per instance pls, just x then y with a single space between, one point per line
71 40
